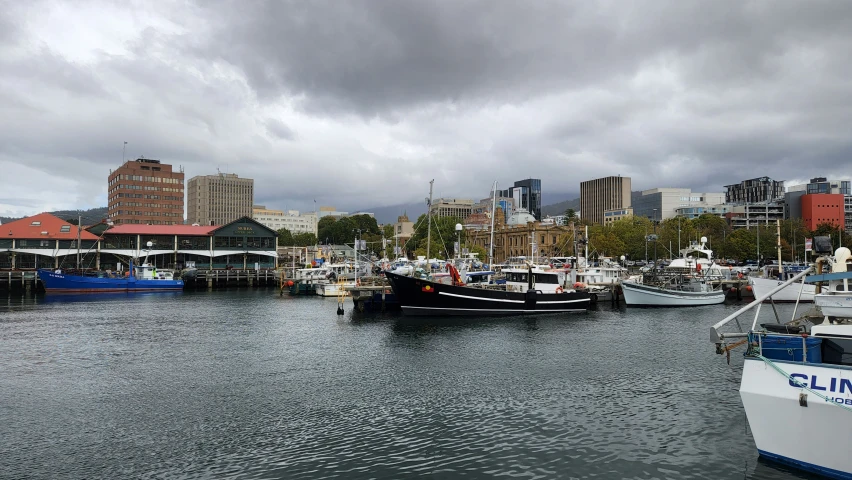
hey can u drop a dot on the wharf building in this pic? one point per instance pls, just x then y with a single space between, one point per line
145 191
663 203
218 199
292 220
526 195
46 241
602 194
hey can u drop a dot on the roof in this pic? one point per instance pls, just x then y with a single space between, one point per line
43 225
140 229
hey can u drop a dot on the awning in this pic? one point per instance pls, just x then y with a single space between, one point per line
222 253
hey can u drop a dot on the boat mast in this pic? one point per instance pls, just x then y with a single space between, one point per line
778 236
79 227
429 221
493 213
586 244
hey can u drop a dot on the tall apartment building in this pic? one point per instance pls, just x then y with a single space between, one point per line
452 207
145 191
755 190
218 199
526 195
291 219
601 194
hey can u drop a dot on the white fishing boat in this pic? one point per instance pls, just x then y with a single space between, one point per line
802 292
677 293
686 282
796 385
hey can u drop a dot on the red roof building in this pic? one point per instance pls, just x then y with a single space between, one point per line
43 226
186 230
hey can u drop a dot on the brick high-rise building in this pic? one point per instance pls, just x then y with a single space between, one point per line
145 191
218 199
601 194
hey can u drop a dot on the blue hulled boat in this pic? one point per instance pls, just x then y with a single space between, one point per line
144 278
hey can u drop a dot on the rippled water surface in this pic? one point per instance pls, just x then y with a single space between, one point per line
247 384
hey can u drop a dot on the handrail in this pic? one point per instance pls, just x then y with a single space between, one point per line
719 337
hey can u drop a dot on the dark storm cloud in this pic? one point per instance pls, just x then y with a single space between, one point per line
377 97
280 129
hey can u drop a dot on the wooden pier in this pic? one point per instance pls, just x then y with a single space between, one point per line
26 280
225 278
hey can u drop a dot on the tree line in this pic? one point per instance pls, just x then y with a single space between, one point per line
629 237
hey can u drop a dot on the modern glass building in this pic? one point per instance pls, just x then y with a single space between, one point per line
526 195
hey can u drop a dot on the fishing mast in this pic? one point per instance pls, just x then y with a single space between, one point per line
493 213
79 227
429 220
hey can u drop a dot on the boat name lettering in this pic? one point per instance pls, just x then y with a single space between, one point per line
833 384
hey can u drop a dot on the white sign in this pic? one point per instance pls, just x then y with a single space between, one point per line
809 244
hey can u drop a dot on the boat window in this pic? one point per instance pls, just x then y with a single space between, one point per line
840 288
546 278
516 277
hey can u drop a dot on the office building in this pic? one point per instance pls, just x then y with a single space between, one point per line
750 215
755 190
330 212
614 214
292 220
663 203
525 195
452 207
601 194
145 191
820 208
815 208
218 199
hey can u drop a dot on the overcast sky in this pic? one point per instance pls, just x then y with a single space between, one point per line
360 104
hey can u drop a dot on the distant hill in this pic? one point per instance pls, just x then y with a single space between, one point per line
559 208
89 217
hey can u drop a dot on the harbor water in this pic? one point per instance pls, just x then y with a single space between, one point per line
248 384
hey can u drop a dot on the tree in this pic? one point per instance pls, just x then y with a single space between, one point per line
569 215
285 238
304 239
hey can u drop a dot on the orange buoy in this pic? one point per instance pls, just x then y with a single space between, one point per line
289 283
748 288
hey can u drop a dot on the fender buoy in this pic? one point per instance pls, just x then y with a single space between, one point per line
559 290
698 267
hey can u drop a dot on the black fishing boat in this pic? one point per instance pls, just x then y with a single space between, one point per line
421 296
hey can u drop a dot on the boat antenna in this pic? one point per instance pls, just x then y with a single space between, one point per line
493 214
429 219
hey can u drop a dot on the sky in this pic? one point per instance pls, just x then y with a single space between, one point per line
358 104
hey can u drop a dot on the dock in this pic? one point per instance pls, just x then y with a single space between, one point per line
26 280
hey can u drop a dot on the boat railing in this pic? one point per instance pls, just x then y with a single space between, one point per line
731 328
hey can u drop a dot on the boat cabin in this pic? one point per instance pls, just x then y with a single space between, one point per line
545 281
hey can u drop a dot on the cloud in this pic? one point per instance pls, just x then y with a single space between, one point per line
361 103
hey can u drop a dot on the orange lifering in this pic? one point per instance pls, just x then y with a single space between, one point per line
559 290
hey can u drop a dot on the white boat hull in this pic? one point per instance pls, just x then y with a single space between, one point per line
815 437
833 305
333 289
643 295
762 286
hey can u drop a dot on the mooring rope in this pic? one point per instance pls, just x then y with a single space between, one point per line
799 384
